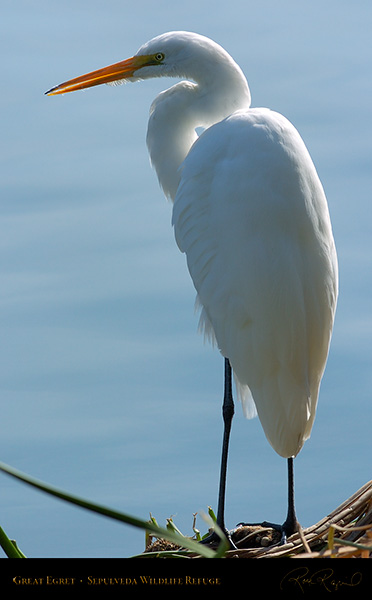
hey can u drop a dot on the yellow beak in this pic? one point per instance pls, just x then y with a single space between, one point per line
120 70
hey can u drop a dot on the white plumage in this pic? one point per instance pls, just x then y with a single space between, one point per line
252 218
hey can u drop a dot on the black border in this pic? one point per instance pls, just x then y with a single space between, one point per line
299 577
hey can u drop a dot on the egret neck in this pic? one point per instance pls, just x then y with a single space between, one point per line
177 112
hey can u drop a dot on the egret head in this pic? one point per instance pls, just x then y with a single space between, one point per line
173 54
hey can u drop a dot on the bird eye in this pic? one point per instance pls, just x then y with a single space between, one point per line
159 57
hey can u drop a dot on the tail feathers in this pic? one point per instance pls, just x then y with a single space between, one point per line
245 397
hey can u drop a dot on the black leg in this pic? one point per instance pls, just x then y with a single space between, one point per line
290 524
227 413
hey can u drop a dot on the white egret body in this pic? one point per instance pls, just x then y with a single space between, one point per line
252 218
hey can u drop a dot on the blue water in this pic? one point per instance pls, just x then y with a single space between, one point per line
107 390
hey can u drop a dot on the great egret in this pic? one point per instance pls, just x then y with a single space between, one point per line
251 215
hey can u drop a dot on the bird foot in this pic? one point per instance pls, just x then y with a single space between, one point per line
285 530
213 539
